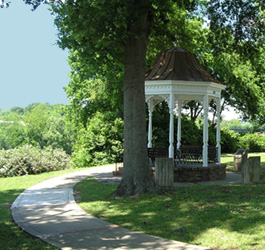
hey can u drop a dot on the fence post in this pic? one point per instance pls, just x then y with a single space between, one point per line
245 173
254 165
251 170
164 171
240 159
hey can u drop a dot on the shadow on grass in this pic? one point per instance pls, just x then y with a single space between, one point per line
184 213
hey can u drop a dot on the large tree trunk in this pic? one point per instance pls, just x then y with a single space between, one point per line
137 178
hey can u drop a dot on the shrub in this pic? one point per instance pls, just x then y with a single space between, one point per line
252 142
28 159
229 140
101 142
191 134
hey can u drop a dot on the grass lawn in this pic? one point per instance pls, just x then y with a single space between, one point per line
11 236
219 217
229 160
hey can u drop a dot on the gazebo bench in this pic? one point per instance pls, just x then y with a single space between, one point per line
189 154
193 154
156 153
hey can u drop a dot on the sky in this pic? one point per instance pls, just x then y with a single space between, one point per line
32 67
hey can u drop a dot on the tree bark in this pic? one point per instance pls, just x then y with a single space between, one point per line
137 177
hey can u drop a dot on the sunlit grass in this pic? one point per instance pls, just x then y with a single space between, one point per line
229 160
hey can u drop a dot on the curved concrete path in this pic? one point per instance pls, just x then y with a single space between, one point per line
48 211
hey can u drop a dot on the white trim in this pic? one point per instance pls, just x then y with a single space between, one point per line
179 124
205 131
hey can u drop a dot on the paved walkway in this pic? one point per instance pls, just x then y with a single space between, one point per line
49 212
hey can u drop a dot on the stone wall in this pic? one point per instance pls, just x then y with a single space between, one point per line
194 174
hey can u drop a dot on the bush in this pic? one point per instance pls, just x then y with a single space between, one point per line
252 142
229 140
191 134
101 142
28 159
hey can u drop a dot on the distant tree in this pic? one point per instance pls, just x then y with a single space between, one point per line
42 124
31 106
11 135
17 110
36 120
59 133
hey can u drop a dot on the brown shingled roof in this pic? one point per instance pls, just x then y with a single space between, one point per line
178 64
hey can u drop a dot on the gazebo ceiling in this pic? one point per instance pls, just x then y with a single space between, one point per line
180 65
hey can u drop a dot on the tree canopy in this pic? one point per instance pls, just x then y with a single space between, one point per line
237 44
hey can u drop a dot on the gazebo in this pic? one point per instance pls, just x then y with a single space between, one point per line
177 77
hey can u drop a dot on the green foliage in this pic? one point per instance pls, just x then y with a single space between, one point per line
238 25
17 110
97 60
11 135
229 140
191 133
160 126
252 142
243 82
38 124
28 159
101 142
37 120
59 133
88 96
234 54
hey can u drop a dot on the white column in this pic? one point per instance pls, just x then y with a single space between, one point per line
171 127
150 104
205 131
150 132
218 133
179 125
